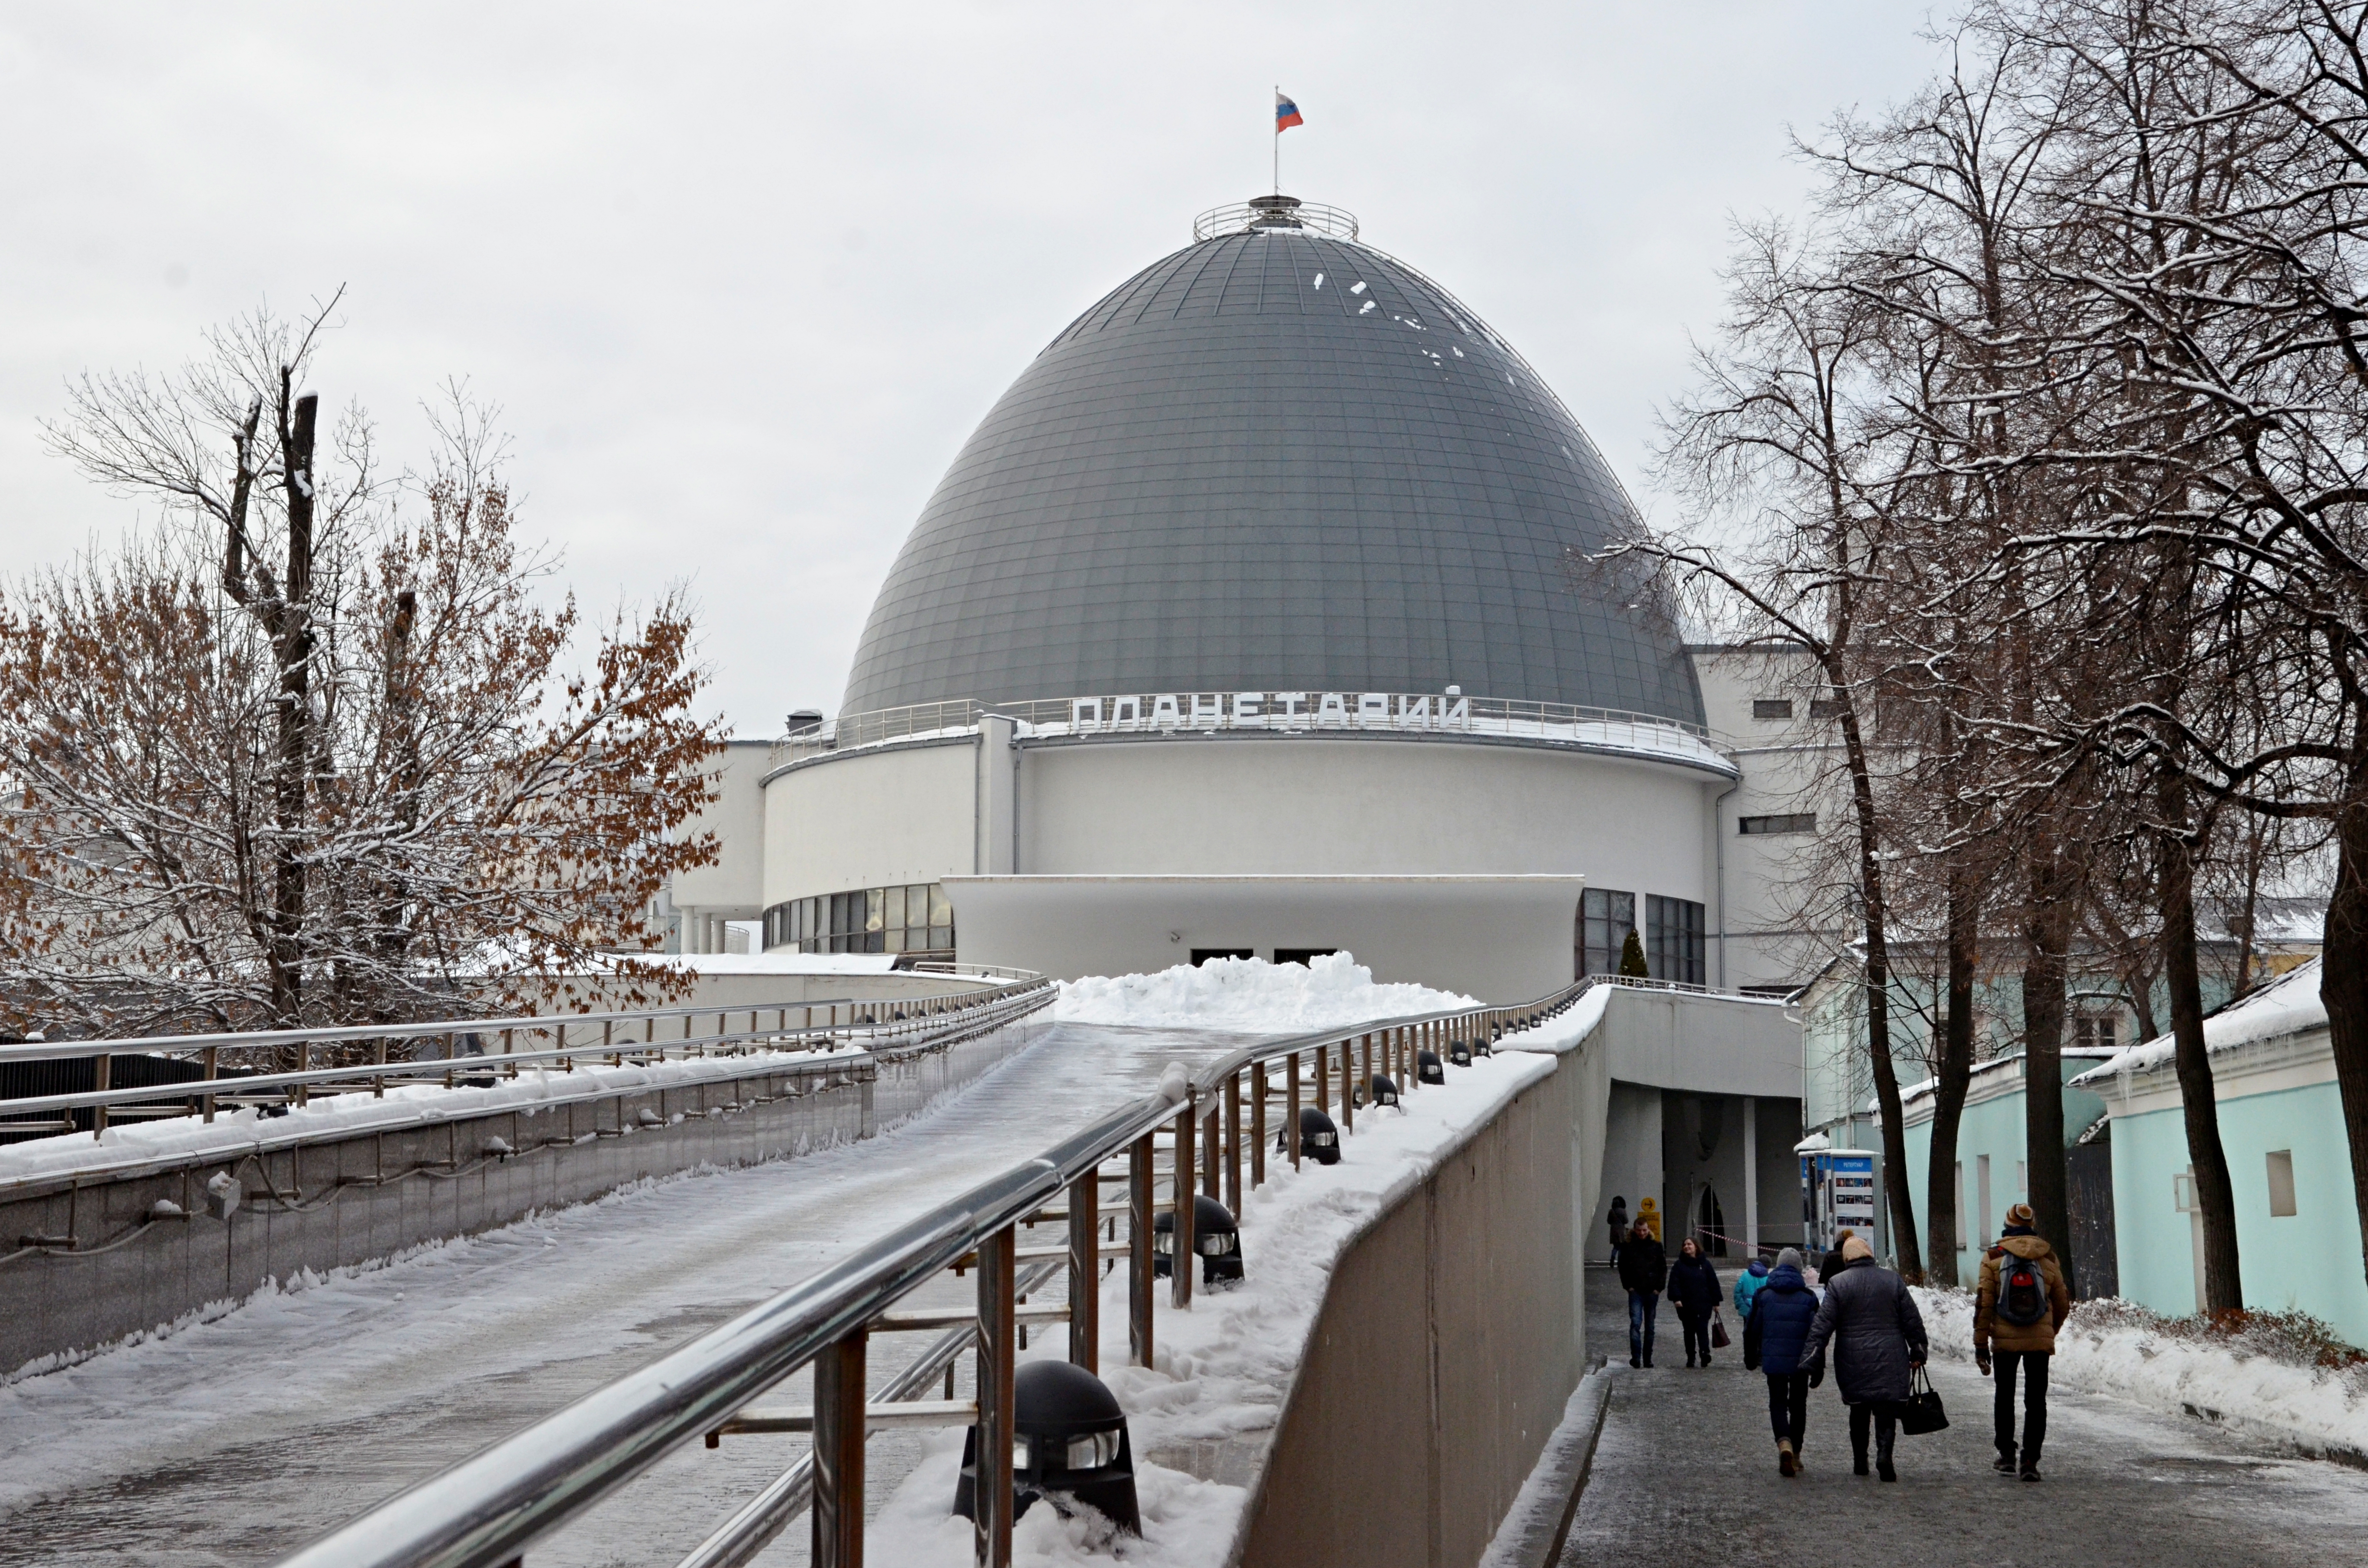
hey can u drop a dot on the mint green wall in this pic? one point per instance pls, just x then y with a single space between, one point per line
2306 1262
1995 1127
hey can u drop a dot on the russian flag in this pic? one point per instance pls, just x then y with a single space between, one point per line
1286 114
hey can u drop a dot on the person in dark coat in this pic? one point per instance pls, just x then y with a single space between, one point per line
1618 1219
1878 1337
1644 1271
1774 1336
1693 1291
1831 1263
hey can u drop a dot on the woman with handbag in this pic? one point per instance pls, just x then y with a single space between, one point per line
1694 1292
1879 1342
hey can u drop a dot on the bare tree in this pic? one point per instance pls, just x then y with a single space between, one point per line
308 751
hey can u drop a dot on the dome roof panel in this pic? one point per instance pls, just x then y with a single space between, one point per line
1226 476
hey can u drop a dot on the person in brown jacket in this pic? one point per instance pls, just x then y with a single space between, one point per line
2021 1303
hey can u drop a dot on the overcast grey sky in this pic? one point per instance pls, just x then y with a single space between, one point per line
743 278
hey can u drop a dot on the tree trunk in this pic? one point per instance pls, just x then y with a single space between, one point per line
1904 1239
2050 932
1954 1075
293 644
2343 986
2223 1287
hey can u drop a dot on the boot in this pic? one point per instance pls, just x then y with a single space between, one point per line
2004 1464
2030 1470
1883 1457
1689 1361
1857 1458
1785 1463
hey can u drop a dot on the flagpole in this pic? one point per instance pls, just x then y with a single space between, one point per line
1278 144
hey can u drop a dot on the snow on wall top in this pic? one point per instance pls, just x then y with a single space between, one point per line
2287 1005
1249 995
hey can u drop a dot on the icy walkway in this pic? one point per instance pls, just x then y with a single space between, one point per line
1686 1472
233 1442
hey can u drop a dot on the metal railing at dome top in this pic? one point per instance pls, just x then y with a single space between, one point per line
474 1052
1275 213
1284 712
487 1511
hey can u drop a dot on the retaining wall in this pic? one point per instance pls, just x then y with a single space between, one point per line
350 1199
1449 1342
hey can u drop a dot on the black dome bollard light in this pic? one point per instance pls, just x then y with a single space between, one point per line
1458 1051
1427 1067
1378 1091
1216 1236
1069 1441
1319 1140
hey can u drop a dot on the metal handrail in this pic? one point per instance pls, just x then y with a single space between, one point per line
865 1020
487 1510
1269 214
1315 713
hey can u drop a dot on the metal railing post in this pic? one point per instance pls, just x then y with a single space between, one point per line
838 1434
1179 1276
1290 1108
1086 1271
1324 1079
1348 1084
304 1064
1141 1177
1365 1066
209 1078
102 1068
1258 1124
997 1279
1212 1148
1233 1145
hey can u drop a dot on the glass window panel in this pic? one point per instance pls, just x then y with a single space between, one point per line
874 906
941 908
941 938
871 942
894 939
894 901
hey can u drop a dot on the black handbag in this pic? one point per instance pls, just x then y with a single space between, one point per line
1718 1340
1920 1411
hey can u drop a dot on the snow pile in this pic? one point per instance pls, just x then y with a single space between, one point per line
1223 1369
406 1104
2264 1382
2289 1004
1249 995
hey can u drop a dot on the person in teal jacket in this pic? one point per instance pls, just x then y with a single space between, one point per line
1746 1285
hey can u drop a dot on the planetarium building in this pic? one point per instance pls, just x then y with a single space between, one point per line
1254 619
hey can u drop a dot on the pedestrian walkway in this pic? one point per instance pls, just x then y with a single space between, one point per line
1685 1472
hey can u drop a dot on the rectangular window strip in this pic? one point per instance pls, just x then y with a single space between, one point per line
913 917
1796 821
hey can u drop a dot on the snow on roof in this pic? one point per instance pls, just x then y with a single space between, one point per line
1924 1088
774 963
2289 1004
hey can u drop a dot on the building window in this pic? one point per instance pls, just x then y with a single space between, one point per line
1674 931
1303 955
2281 1187
911 917
1207 955
1825 708
1798 822
1771 708
1605 918
2099 1029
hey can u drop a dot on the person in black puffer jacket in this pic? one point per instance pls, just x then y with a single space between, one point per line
1693 1291
1879 1340
1644 1271
1774 1336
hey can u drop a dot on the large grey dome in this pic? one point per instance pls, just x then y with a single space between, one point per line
1272 460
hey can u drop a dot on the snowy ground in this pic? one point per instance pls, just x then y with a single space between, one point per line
2315 1409
234 1440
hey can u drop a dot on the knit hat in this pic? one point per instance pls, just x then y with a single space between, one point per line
1856 1248
1789 1258
2020 1221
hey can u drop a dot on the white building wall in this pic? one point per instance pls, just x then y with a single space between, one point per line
903 814
1788 770
1288 807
